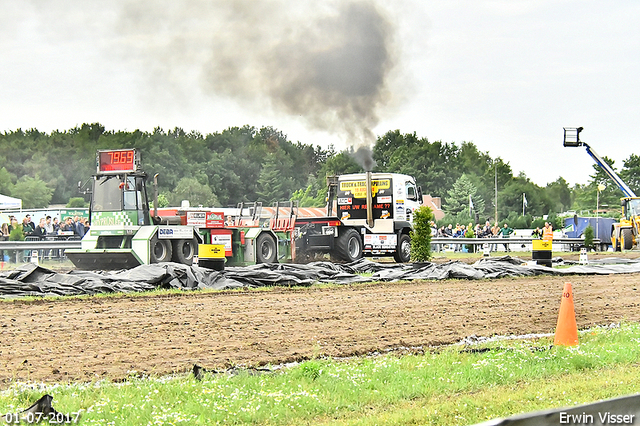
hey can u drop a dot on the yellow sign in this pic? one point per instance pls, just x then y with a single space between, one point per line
541 245
359 187
211 251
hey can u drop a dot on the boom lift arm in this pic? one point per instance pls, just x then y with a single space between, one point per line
572 138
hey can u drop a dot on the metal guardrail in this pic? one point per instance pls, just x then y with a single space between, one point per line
500 240
75 244
40 245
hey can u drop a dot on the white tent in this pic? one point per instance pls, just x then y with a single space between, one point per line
7 202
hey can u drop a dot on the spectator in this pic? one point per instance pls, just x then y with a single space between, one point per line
86 226
56 225
48 226
13 223
67 226
495 231
460 231
537 233
486 230
40 230
27 229
448 231
434 234
31 224
4 237
506 232
547 232
78 226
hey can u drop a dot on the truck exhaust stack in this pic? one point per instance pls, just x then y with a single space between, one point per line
370 222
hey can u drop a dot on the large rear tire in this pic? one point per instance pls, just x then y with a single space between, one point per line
626 240
184 250
403 251
159 250
266 250
348 246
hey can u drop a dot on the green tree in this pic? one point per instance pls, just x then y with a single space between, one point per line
271 183
34 192
6 181
610 195
309 197
432 164
421 234
559 195
76 202
163 201
630 172
339 164
457 199
510 198
193 191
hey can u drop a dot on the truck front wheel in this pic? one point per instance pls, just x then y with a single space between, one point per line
348 246
403 251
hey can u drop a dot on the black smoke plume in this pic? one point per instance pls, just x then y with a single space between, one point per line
326 63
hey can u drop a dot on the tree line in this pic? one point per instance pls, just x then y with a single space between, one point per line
260 164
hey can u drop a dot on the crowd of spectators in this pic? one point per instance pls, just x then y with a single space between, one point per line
468 231
46 227
486 231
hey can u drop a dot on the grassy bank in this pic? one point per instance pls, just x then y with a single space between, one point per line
452 385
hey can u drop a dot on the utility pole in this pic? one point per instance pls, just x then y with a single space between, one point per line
495 203
601 188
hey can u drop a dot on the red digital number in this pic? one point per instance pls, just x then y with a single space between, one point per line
117 161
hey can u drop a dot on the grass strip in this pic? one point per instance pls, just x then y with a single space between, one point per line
450 386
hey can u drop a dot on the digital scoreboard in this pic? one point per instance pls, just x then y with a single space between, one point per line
117 161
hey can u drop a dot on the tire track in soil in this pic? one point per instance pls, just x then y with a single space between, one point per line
89 339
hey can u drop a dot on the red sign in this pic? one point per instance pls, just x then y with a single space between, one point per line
215 220
123 160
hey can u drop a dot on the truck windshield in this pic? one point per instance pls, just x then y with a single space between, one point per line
107 195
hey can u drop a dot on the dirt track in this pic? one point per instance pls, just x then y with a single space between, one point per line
70 340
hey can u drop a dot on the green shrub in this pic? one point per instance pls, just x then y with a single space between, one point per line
470 234
421 234
588 237
16 233
538 223
76 203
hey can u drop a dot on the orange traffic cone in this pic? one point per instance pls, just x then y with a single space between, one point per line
567 329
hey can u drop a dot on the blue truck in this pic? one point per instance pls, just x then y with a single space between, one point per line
574 228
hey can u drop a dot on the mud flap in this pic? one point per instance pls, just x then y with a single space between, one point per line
112 259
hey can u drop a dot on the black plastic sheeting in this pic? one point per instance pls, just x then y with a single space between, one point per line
33 280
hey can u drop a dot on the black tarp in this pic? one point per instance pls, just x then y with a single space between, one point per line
33 280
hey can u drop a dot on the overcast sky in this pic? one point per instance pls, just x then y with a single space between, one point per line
507 75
